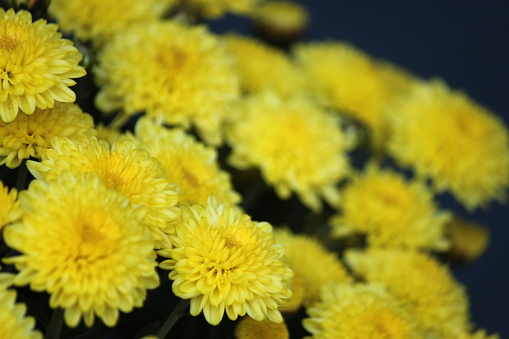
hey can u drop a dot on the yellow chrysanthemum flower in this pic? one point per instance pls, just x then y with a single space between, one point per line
461 146
10 210
350 81
297 146
15 325
282 16
360 312
36 65
188 163
419 282
248 328
177 74
30 135
263 68
215 9
125 167
82 243
99 20
391 212
222 260
312 263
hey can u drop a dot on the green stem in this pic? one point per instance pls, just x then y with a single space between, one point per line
55 324
175 315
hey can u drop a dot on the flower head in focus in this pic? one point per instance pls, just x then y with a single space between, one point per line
296 145
10 210
223 261
15 324
188 163
99 20
36 65
125 167
177 74
419 282
391 212
30 135
312 263
360 312
82 243
445 136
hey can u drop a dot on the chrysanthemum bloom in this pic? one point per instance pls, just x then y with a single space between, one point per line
177 74
360 312
188 163
248 328
460 145
391 212
312 263
418 281
99 20
350 81
15 324
82 243
36 65
30 135
125 167
214 9
297 146
264 68
10 210
282 17
222 260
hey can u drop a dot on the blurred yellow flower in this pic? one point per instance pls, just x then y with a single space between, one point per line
460 145
419 282
350 81
223 261
125 167
360 312
264 68
10 210
215 9
312 263
177 74
82 243
391 212
248 328
188 163
36 65
99 20
31 135
298 147
282 16
15 325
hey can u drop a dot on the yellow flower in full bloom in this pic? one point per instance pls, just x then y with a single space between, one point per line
99 20
360 312
264 68
188 163
36 65
177 74
350 81
82 243
30 135
312 263
223 261
125 167
297 146
10 210
248 328
12 317
419 282
460 145
390 211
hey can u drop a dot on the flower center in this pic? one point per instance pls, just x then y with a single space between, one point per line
230 242
8 43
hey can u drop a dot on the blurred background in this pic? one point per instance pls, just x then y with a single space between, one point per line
467 45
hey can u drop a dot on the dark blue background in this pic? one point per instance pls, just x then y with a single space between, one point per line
467 44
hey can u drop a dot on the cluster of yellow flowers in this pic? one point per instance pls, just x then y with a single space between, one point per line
199 117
